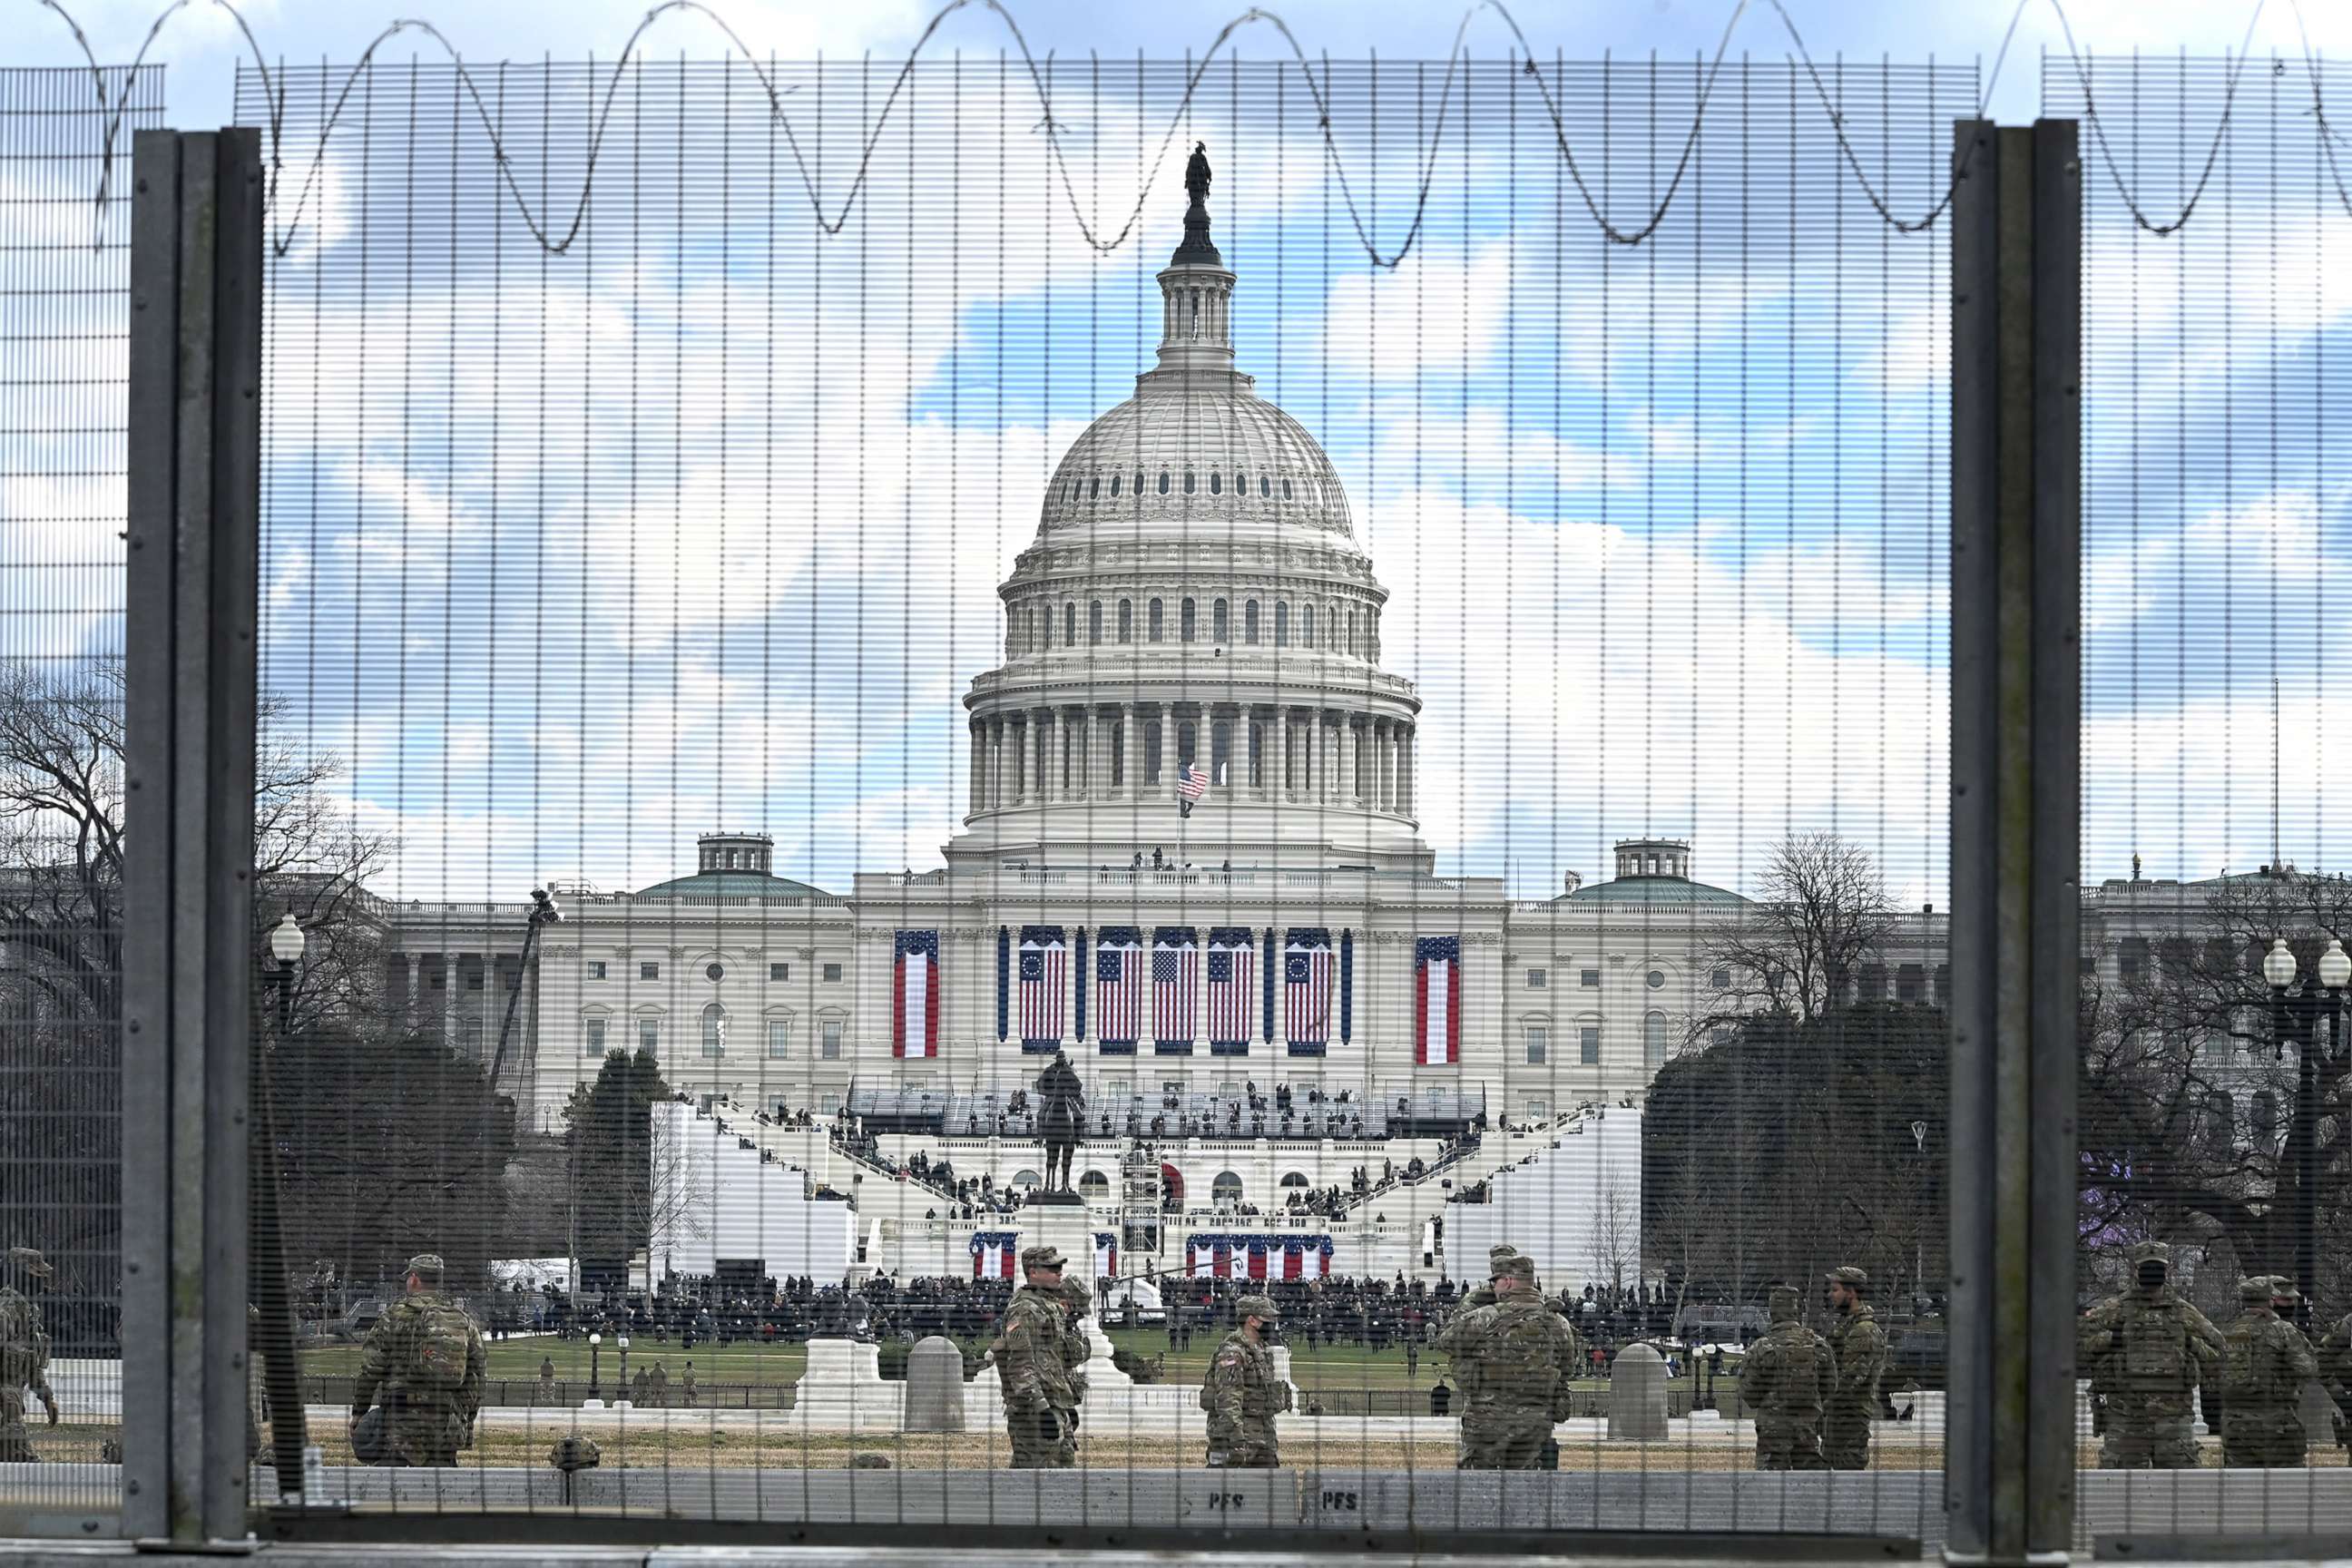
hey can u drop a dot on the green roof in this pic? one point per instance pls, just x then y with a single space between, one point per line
1662 890
733 885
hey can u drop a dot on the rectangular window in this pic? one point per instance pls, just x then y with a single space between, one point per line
1537 1110
1588 1045
1537 979
1591 980
830 1104
829 1039
780 971
780 1036
1539 1045
592 1037
1721 979
649 1035
474 978
1910 982
832 973
2132 958
595 969
649 972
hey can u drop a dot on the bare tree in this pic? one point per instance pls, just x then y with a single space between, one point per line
1821 913
1614 1244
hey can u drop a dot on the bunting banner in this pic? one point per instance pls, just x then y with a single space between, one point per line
1266 973
1106 1255
914 994
1437 1002
1004 977
1347 985
992 1253
1078 991
1306 990
1231 952
1175 991
1118 990
1257 1255
1044 984
1228 1257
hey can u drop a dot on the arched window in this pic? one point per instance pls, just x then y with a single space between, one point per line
1306 626
1257 755
1241 484
1117 752
1220 750
1188 478
1114 486
1024 1181
1264 486
1281 624
1163 481
1138 481
1070 623
1653 1041
1220 622
1094 1185
1249 621
1094 621
1351 631
1185 622
1185 739
1216 482
1153 633
1041 627
1226 1192
1093 487
714 1030
1285 487
1294 1179
1126 620
1151 750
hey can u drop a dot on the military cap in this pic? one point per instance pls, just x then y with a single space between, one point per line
1500 1250
426 1263
1782 1291
2282 1289
1257 1307
30 1260
2255 1287
1043 1255
1518 1265
2152 1252
1074 1290
1847 1274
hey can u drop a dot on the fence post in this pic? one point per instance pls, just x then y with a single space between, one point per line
2015 825
192 542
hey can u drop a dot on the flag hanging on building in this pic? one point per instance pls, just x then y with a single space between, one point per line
1306 990
992 1253
1119 989
1175 990
1260 1253
914 994
1043 983
1192 784
1437 1002
1106 1255
1231 952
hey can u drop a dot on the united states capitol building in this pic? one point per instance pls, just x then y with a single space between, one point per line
1261 996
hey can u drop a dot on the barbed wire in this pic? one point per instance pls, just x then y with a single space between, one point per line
540 226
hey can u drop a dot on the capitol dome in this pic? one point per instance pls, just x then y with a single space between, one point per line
1193 634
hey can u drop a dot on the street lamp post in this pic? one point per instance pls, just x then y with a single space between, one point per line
2296 1017
621 1342
281 1375
596 1366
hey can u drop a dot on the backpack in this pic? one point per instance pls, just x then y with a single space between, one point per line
2155 1348
1525 1342
437 1352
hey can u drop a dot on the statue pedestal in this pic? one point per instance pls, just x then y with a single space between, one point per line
1065 1226
1042 1199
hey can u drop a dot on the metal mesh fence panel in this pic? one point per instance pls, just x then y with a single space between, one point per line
64 298
794 777
2212 1164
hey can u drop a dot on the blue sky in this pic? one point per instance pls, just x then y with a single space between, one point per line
1663 525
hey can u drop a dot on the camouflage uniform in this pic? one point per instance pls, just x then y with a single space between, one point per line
428 1404
1496 1256
1242 1394
23 1356
2335 1361
1514 1360
1788 1380
1033 1370
1860 1345
2146 1352
2263 1364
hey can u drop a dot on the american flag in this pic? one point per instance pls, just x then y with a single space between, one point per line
1437 1001
1044 982
1306 988
1119 988
1175 988
1230 952
914 994
1191 782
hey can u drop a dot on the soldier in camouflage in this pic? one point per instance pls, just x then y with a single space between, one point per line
2334 1358
24 1353
1033 1367
1483 1296
2264 1363
1514 1360
1242 1392
1860 1346
1788 1380
2147 1353
425 1357
1077 1350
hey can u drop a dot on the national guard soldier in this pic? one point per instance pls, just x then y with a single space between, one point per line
1242 1392
1077 1350
2146 1352
1514 1360
2333 1357
1033 1370
1860 1346
426 1356
1483 1296
1788 1380
24 1353
2264 1363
